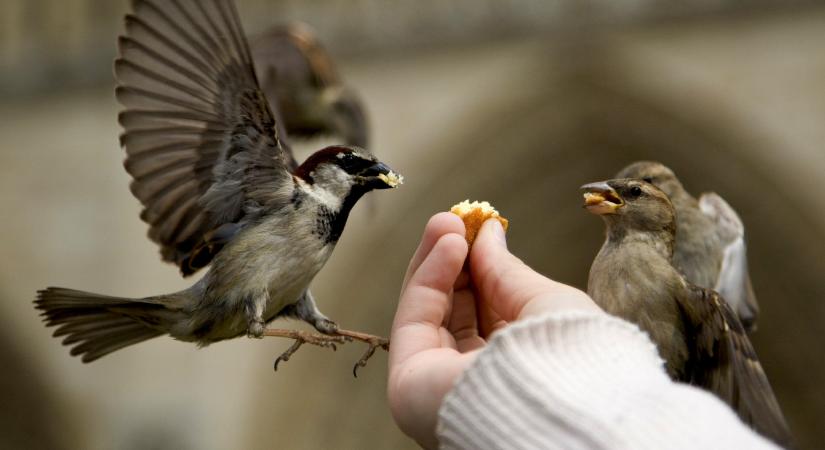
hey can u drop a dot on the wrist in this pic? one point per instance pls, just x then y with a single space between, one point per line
567 363
559 301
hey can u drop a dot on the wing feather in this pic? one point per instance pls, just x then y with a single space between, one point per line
201 140
733 282
724 361
137 119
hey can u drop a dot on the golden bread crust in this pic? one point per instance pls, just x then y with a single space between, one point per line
474 214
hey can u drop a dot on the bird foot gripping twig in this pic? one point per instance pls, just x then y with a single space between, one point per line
304 337
373 341
324 340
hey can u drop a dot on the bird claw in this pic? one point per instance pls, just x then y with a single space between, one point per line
285 355
326 326
303 337
255 329
373 346
329 341
373 342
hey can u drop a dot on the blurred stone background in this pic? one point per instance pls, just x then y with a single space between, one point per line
514 101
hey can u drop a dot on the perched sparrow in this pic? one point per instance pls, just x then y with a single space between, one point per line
218 188
296 72
710 240
695 330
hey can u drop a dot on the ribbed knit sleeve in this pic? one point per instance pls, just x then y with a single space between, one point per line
581 380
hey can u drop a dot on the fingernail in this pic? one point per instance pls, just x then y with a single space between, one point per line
498 232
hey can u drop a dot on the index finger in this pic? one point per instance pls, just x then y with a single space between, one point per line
438 225
426 299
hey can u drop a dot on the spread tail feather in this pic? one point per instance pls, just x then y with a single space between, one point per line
97 325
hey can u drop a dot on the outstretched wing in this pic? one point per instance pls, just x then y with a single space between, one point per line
734 282
200 138
723 361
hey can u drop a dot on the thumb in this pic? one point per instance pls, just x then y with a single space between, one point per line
510 288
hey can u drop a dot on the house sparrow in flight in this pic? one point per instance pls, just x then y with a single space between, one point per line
219 188
710 240
696 332
297 73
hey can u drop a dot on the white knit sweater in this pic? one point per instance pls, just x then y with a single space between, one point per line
582 380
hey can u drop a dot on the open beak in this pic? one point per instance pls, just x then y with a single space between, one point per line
600 198
380 176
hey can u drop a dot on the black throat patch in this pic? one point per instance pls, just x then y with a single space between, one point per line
330 224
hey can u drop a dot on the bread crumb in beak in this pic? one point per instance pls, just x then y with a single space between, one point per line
592 198
392 179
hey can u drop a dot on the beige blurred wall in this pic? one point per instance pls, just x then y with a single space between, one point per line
734 103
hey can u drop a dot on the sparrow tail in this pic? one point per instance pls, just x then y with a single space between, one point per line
96 325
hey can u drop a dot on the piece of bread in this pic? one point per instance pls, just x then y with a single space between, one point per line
474 214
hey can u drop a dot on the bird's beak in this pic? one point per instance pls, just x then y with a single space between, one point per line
600 198
380 176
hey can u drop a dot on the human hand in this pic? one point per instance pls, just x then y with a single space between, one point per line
447 311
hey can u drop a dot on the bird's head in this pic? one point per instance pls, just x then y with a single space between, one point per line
654 173
343 170
630 204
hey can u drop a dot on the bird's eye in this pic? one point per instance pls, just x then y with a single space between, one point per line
635 191
347 160
648 180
